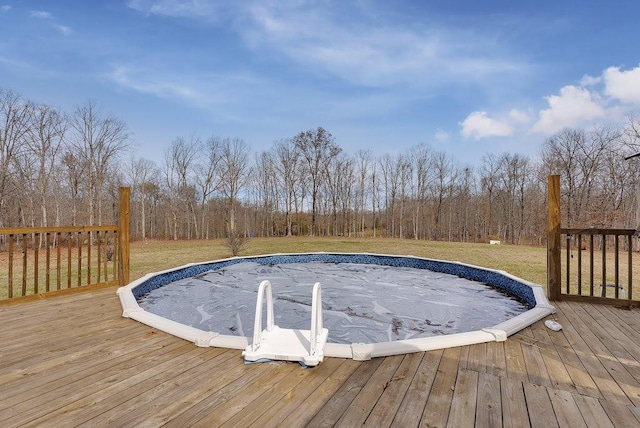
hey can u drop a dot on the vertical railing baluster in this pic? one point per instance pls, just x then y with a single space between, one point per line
579 263
630 267
106 254
603 291
89 257
99 243
591 265
47 242
568 257
68 259
36 261
24 264
79 259
616 242
10 282
58 259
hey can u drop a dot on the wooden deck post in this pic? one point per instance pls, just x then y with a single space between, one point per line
123 236
554 273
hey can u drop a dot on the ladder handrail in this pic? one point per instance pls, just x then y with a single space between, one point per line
316 318
265 287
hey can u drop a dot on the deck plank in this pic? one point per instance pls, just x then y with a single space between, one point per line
394 392
284 375
583 382
230 385
465 396
489 404
496 359
592 412
514 404
516 367
607 385
436 412
73 360
612 337
412 406
362 405
566 410
330 413
90 397
319 397
539 406
149 402
594 336
281 399
620 414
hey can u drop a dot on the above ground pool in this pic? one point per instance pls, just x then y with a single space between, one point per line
372 305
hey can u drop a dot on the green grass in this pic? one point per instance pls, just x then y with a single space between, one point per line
526 262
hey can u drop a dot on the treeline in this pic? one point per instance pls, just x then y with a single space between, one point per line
64 168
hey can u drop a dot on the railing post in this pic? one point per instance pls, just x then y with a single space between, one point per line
123 236
554 273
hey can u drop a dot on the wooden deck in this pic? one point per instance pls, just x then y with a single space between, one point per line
73 360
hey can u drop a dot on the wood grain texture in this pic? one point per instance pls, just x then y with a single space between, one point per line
74 361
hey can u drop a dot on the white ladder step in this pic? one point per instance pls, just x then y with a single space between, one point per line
275 343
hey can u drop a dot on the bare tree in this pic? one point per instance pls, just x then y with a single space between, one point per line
234 172
267 190
420 157
15 116
44 143
336 187
443 178
99 139
389 166
489 182
363 159
179 164
207 178
375 196
318 149
287 165
515 173
576 156
74 172
141 174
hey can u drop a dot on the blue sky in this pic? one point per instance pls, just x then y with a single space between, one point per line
466 77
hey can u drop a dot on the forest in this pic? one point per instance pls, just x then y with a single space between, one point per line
62 168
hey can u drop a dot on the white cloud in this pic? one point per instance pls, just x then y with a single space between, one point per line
63 29
210 11
442 136
519 116
360 51
142 82
572 107
623 85
479 125
40 14
374 55
5 8
223 94
590 80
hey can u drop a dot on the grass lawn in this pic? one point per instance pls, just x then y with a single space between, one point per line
527 262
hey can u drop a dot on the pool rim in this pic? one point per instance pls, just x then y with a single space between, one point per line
356 351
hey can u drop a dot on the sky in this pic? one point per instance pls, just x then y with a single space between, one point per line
465 77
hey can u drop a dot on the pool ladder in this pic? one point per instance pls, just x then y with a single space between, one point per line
275 343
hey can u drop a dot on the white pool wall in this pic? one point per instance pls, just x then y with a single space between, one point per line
356 351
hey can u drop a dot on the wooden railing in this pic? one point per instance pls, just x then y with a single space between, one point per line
40 260
596 265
